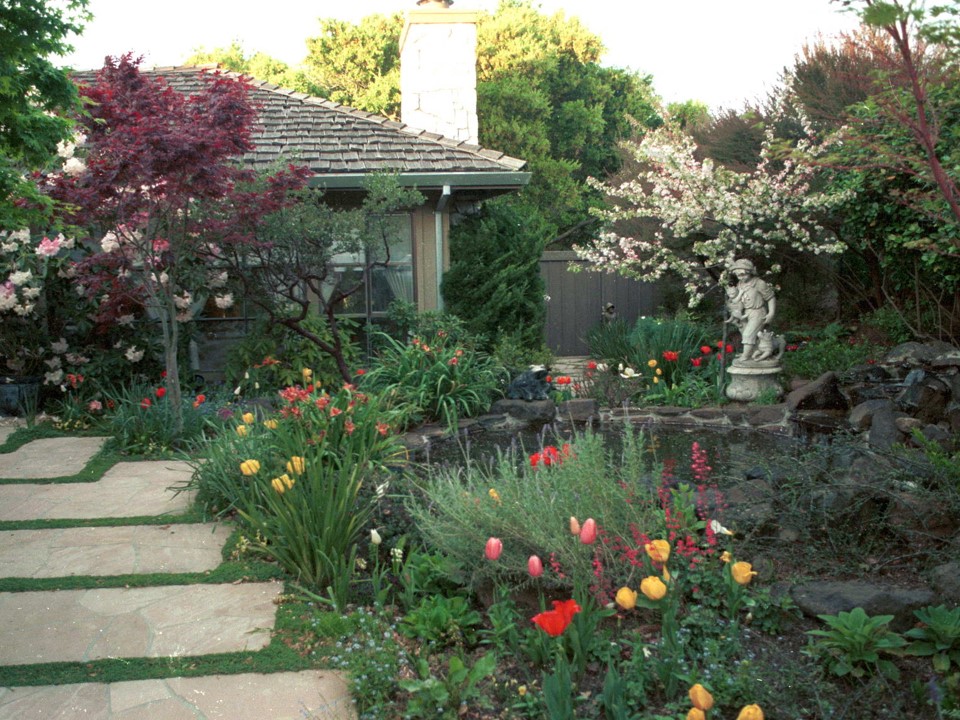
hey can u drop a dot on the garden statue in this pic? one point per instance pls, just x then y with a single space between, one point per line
530 385
751 306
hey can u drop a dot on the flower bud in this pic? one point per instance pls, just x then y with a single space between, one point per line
375 538
588 533
493 548
700 698
534 566
574 526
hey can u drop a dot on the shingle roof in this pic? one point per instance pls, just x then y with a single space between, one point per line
335 139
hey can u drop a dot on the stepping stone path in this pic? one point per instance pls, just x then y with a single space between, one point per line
165 621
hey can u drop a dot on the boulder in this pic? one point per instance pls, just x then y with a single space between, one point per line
832 597
924 396
578 410
914 354
946 582
883 429
862 415
530 411
909 514
821 394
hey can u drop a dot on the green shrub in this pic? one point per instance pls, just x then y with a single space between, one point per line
434 378
812 358
271 356
854 643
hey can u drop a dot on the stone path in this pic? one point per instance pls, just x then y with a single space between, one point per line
164 621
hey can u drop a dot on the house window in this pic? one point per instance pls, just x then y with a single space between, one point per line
379 285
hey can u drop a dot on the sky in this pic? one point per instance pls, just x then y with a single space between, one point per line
721 53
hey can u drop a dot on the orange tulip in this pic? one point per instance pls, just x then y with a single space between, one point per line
700 698
653 587
742 572
658 550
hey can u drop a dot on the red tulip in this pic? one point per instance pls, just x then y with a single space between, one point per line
161 392
555 621
706 349
493 549
588 533
696 362
145 403
534 566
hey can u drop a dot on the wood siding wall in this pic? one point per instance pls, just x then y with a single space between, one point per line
577 299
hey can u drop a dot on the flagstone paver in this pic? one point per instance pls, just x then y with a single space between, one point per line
6 431
173 620
50 457
112 550
315 694
128 489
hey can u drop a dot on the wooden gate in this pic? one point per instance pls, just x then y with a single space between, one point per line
577 300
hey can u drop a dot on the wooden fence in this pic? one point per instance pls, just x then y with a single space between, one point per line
577 301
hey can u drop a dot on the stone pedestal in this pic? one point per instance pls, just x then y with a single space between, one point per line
750 380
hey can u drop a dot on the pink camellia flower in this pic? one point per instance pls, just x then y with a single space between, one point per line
493 549
48 247
534 566
588 533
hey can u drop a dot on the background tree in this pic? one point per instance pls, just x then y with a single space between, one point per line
35 98
291 266
159 191
257 64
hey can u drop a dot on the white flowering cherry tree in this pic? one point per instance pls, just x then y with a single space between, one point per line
157 190
704 215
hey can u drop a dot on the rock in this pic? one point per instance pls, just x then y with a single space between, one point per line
821 394
862 392
708 414
766 415
832 597
946 582
883 429
909 514
531 411
948 359
906 425
914 353
868 374
952 415
924 396
578 409
862 415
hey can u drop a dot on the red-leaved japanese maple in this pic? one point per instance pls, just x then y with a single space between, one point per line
160 190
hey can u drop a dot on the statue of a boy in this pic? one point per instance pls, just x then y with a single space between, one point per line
751 305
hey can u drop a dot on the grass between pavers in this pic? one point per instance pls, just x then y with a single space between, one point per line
193 515
287 652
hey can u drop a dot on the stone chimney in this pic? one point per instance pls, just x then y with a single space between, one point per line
438 70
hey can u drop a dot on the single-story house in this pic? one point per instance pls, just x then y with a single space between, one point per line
434 149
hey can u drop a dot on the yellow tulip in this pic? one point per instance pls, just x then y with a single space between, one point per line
296 465
742 572
696 714
242 430
307 374
270 424
287 480
574 526
653 587
658 550
726 556
700 697
248 418
278 485
651 363
626 598
751 712
250 467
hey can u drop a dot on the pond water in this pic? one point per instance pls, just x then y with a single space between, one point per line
730 452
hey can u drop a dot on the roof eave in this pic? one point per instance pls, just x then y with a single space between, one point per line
502 181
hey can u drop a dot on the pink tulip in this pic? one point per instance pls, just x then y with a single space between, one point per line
588 533
493 549
534 566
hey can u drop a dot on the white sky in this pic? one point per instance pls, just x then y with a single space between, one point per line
722 52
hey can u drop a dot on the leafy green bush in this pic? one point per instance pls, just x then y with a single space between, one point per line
937 637
434 378
812 358
271 356
854 643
